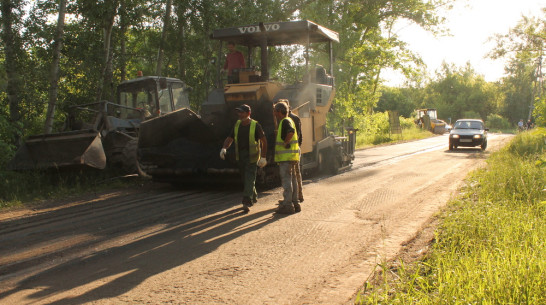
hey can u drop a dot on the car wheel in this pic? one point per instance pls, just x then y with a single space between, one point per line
484 145
450 146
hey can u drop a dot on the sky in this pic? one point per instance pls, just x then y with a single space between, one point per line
471 23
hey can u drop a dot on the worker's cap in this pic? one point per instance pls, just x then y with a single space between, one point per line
243 108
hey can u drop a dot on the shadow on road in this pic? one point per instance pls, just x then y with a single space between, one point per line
117 270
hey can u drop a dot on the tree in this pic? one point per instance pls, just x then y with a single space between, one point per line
524 46
166 25
458 92
11 13
369 46
54 76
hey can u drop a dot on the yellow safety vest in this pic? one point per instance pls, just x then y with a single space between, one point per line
287 154
253 145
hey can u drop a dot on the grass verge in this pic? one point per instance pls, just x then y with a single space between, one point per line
370 139
489 247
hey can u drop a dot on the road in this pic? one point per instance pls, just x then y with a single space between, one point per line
156 244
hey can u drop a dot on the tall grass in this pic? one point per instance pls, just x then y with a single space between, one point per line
490 247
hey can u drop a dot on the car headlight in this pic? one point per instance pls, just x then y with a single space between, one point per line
477 136
455 136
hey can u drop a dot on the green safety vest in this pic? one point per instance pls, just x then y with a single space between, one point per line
287 154
253 145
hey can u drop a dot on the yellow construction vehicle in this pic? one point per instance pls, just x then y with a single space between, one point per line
184 143
428 119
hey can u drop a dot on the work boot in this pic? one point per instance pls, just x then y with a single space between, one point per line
246 208
285 209
247 201
297 207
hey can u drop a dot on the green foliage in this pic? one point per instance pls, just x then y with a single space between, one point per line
6 148
489 247
523 47
540 112
460 93
471 115
399 99
497 122
367 47
528 144
375 129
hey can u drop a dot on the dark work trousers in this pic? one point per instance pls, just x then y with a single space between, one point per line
248 177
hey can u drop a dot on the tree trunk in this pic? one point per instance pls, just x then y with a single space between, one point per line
105 80
14 84
123 42
181 9
54 73
166 24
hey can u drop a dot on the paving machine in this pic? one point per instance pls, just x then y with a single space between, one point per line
428 119
186 144
99 134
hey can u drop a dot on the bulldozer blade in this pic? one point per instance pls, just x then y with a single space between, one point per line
82 148
178 140
183 123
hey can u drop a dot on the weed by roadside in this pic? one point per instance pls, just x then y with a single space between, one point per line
364 139
489 248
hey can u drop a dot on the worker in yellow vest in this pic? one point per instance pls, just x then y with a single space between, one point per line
250 152
297 123
287 154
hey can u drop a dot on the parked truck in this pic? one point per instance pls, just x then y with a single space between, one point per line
97 135
186 144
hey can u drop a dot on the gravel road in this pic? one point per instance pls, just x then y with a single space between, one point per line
157 244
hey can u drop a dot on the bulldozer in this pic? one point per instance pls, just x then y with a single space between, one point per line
186 144
428 119
103 134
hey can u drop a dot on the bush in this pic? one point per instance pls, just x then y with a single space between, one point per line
375 129
407 123
528 143
471 115
495 121
7 149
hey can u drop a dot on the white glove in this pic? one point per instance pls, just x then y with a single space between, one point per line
262 163
223 153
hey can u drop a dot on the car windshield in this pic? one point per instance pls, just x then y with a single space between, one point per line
468 125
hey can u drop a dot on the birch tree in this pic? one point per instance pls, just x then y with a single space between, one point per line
54 72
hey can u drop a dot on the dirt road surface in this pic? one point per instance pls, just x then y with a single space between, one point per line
157 244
